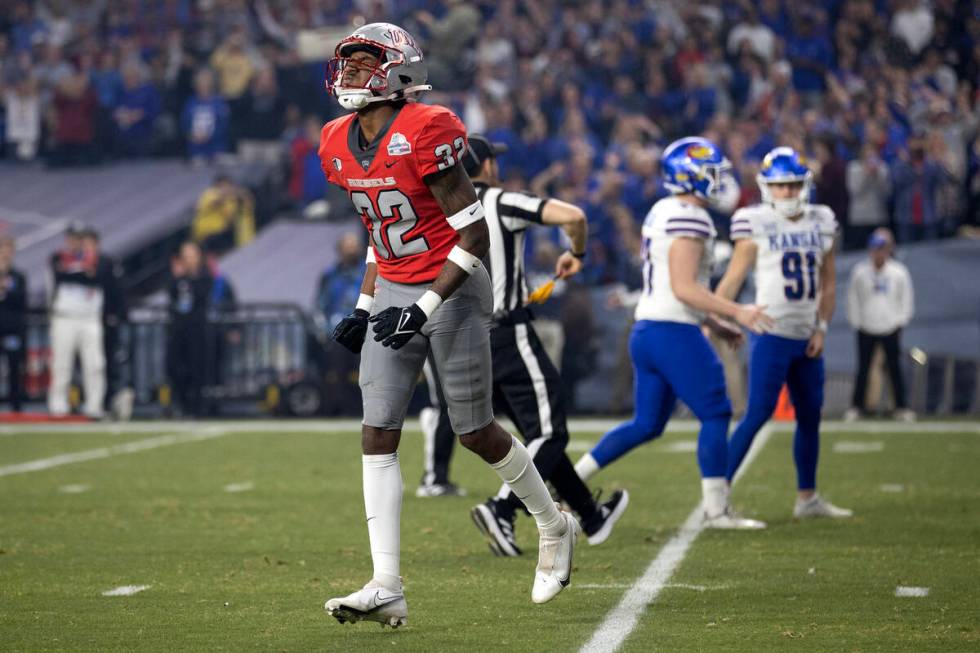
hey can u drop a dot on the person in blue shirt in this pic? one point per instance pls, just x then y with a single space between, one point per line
204 121
134 113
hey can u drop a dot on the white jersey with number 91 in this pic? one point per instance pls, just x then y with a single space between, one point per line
788 262
668 220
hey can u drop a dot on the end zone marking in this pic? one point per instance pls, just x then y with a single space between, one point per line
107 452
622 619
913 592
125 590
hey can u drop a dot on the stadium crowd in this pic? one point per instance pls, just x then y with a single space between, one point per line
881 94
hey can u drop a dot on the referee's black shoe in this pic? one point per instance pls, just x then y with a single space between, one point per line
495 519
600 526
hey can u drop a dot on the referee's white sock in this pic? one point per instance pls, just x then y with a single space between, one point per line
586 467
517 470
382 477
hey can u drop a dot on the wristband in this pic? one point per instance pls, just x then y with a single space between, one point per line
822 326
579 255
370 255
364 302
429 302
464 259
469 215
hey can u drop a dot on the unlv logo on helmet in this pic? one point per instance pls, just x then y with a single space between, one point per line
400 37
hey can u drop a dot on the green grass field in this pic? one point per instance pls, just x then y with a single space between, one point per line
249 571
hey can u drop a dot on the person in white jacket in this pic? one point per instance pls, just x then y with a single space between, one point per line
880 303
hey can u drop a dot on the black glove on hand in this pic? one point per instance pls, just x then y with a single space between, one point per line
352 329
393 327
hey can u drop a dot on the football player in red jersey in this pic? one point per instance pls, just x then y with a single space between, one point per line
399 162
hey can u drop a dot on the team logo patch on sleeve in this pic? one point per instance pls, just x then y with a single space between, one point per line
399 145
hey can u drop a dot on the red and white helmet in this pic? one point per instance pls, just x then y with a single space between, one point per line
400 69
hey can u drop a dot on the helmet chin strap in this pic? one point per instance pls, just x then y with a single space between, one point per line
355 99
787 208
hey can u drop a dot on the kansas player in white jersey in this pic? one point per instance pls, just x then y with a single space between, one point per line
790 244
671 357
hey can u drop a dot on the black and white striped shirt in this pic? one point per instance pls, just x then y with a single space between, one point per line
508 214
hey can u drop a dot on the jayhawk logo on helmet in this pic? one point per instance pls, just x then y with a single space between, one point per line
784 165
694 166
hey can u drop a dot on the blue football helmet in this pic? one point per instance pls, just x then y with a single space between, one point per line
784 165
696 166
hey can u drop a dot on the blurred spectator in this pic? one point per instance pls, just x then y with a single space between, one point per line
115 316
204 120
77 297
451 40
13 327
306 182
831 179
868 187
917 177
134 112
879 305
263 113
913 23
337 292
75 107
225 216
752 34
340 284
22 108
189 293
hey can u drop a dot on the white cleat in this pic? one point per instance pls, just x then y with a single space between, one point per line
817 506
730 520
554 570
851 415
373 602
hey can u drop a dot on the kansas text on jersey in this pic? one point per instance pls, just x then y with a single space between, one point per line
788 262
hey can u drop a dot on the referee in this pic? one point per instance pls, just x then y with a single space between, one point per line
526 385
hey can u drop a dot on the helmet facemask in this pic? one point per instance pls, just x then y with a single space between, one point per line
396 71
789 207
719 177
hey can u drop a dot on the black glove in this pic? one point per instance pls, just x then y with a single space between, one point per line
393 327
351 330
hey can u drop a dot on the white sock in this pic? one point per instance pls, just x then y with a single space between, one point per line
586 467
382 477
517 470
715 491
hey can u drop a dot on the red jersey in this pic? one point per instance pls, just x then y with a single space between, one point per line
408 229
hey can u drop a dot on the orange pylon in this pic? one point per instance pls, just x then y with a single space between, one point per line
784 407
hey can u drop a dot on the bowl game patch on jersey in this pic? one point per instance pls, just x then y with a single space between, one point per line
399 145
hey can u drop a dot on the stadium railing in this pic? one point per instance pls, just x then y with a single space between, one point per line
262 353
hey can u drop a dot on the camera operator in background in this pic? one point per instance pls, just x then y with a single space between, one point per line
13 329
225 216
77 285
188 357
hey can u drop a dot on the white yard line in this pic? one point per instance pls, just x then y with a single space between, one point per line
911 592
622 619
41 464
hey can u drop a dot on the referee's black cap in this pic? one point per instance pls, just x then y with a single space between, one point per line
479 150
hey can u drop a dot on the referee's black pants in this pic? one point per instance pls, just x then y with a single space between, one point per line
526 388
891 344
